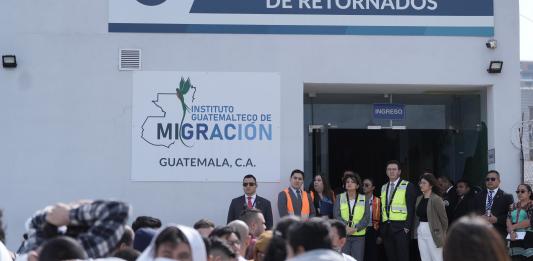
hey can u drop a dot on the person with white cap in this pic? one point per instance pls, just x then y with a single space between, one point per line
175 242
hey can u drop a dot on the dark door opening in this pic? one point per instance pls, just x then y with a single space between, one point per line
367 151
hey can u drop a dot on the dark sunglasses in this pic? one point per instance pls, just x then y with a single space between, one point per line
521 191
490 179
246 184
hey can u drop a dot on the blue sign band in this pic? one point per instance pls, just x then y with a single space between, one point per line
347 7
300 29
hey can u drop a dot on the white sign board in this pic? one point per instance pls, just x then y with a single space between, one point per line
205 126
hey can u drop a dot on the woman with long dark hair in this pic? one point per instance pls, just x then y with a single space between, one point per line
322 196
431 222
518 221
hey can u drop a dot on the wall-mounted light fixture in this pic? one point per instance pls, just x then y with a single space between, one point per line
9 61
495 67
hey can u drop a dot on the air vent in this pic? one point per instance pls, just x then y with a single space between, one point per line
129 59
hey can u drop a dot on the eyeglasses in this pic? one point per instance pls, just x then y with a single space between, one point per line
521 191
246 184
490 179
366 185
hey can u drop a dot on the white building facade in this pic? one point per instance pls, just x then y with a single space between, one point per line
68 111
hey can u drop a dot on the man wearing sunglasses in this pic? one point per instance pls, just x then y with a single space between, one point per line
493 203
250 200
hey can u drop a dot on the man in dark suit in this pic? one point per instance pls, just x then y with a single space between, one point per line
464 198
250 200
493 203
449 197
398 199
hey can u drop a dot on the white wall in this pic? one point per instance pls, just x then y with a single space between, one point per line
66 109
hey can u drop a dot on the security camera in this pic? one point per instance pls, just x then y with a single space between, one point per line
491 44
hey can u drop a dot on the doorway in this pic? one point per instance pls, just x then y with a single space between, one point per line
440 132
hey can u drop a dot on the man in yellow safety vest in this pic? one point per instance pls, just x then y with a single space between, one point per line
397 216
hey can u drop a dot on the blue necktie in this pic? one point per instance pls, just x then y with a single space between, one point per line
489 201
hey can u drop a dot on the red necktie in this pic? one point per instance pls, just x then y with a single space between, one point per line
250 202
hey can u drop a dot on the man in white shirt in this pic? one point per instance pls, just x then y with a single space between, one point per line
493 203
250 200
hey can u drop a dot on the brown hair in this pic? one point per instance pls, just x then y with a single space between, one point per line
433 182
473 239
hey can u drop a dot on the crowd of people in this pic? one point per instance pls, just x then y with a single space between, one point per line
445 221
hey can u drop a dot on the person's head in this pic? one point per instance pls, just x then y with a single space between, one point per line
523 192
228 235
242 229
172 243
277 249
204 226
337 234
307 236
428 183
473 239
145 221
462 187
394 170
143 237
352 182
282 227
249 185
255 220
346 172
492 180
318 183
261 245
61 248
368 186
128 254
444 183
221 251
297 178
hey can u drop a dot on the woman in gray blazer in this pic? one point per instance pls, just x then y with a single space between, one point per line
431 222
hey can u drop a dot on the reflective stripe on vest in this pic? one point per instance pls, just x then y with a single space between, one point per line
305 204
398 206
358 212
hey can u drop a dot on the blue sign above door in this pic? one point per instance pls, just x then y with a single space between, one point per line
388 111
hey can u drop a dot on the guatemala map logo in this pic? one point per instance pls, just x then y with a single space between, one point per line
171 104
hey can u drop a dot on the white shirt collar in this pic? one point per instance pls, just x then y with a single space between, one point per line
494 191
253 197
448 190
294 190
394 182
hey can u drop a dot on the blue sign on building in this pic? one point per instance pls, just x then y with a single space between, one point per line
388 111
319 17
